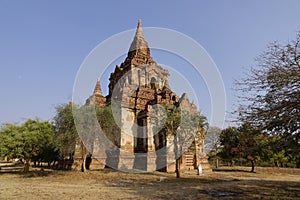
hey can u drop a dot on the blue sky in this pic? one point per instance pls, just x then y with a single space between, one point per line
43 43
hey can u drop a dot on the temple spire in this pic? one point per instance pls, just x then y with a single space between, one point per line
98 88
139 42
139 51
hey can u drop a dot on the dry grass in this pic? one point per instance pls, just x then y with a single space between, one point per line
226 183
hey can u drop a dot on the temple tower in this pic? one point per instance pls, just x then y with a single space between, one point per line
136 87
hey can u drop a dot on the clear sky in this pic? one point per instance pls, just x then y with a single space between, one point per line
43 43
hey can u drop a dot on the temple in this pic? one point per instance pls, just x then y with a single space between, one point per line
136 88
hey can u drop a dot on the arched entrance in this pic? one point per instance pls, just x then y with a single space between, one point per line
153 83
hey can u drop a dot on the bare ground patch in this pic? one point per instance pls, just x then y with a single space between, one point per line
227 183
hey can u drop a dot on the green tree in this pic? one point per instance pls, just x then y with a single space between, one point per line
171 126
229 139
248 146
86 125
89 119
109 123
9 141
242 142
47 155
27 140
183 127
280 151
66 133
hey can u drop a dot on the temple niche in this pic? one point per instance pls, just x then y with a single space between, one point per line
136 88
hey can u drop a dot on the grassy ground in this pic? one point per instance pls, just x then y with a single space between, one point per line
226 183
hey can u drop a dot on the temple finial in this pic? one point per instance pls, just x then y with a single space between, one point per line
139 23
98 88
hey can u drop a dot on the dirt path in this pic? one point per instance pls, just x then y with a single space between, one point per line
107 184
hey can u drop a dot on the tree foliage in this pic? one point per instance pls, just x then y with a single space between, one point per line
93 122
83 129
249 143
26 141
241 142
183 127
270 96
109 125
67 140
66 133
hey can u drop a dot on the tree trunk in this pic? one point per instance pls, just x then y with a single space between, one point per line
177 170
217 163
26 165
83 168
178 158
252 165
83 157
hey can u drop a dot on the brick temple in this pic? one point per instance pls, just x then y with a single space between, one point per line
135 88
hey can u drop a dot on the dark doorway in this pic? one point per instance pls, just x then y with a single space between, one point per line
161 151
141 140
88 162
153 83
141 145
